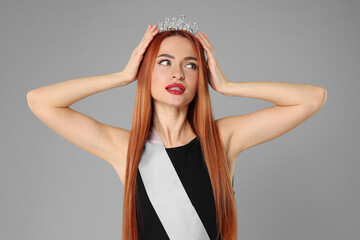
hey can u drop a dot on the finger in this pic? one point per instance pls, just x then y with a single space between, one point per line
206 39
209 52
144 36
208 48
144 40
203 39
152 32
149 30
204 43
144 44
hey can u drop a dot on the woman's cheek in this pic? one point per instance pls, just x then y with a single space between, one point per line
158 72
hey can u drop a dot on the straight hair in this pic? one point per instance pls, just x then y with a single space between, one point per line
202 122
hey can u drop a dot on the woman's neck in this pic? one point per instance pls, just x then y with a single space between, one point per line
173 131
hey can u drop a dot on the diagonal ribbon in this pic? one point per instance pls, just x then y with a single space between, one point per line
167 194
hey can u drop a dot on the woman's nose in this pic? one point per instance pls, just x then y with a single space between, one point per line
178 74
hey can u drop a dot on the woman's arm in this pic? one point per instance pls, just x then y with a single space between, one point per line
280 93
64 94
50 104
295 103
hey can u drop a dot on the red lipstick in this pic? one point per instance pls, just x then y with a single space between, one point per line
175 91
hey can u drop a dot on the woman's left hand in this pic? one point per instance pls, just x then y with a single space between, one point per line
217 79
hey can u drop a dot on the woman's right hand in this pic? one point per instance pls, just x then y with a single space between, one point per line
131 69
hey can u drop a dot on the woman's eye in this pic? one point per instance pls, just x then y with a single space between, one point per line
191 64
194 65
163 61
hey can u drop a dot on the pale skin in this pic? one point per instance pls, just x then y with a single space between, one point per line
170 110
295 103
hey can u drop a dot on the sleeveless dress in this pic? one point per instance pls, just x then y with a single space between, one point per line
174 194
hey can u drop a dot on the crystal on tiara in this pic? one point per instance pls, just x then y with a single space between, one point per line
179 24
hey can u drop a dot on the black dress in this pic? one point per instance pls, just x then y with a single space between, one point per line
174 194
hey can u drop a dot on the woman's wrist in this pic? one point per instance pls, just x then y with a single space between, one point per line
123 78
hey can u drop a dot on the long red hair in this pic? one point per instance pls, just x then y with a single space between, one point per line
202 122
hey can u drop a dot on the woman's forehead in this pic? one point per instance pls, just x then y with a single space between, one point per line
177 45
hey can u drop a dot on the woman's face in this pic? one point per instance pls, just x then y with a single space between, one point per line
175 63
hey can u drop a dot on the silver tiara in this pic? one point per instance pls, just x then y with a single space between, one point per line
179 24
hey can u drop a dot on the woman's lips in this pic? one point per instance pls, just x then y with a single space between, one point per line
173 91
176 92
179 85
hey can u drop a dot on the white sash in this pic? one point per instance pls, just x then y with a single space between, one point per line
167 194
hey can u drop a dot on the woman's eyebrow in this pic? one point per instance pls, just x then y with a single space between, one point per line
170 56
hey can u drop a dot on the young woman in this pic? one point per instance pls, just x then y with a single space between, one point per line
177 162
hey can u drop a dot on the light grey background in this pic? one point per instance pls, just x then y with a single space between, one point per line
302 185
